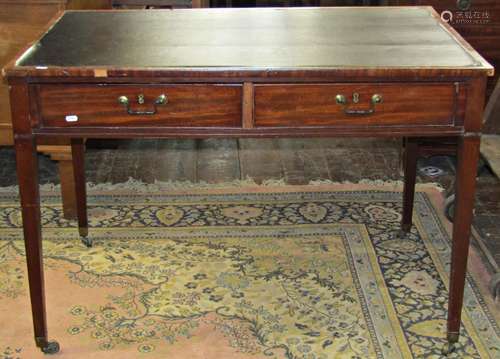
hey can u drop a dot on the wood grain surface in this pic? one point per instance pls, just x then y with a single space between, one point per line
188 105
315 105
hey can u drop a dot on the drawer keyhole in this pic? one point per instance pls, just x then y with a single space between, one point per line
341 100
159 101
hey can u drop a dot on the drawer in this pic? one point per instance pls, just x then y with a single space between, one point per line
179 105
387 104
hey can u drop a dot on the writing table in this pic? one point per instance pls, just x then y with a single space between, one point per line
247 73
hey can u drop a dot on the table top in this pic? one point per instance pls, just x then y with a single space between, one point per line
370 38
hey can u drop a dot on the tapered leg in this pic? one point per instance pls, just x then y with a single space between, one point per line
67 177
410 176
468 156
27 173
59 150
78 158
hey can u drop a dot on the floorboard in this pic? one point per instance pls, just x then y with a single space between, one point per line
259 159
217 160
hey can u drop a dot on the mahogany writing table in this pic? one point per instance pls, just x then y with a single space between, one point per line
247 73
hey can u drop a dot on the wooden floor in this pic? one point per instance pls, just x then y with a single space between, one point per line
296 161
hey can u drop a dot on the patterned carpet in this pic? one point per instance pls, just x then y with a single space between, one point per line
283 272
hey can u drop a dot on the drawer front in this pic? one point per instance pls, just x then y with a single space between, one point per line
297 105
183 105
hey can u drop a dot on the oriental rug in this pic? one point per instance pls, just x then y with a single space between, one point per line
314 272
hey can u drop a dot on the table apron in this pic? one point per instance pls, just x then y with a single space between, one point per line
290 132
248 109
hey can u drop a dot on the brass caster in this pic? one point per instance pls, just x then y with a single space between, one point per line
87 241
450 346
83 231
448 349
50 347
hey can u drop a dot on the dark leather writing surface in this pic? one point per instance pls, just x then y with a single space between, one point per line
250 38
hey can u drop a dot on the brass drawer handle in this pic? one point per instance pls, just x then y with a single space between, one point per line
160 100
342 100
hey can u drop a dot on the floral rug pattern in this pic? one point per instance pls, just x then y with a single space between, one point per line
312 275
